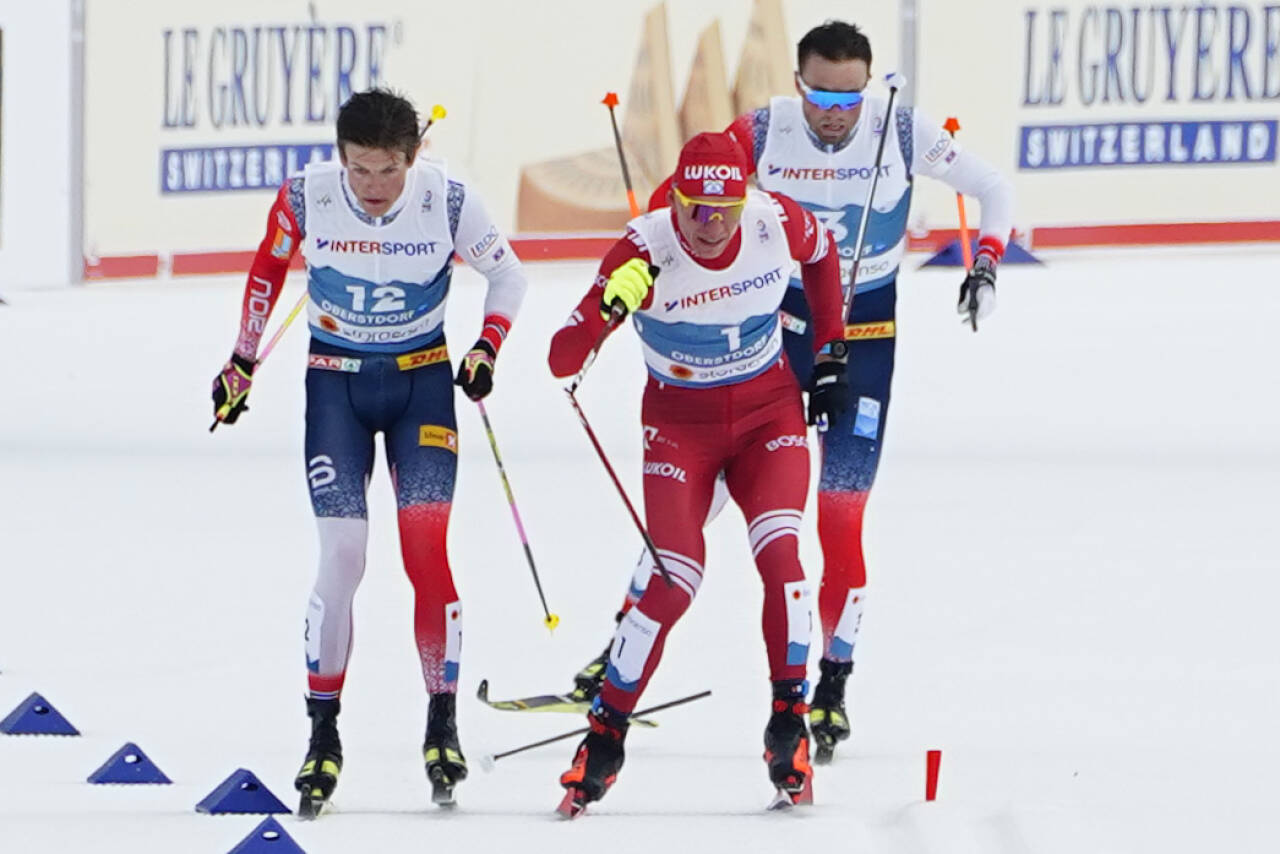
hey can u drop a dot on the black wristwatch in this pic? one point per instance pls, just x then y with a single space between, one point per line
838 349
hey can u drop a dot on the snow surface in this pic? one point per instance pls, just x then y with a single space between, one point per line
1073 560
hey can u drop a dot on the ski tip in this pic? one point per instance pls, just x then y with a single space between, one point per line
572 805
781 802
309 808
441 791
784 799
482 692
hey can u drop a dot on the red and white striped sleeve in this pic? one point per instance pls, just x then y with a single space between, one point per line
268 271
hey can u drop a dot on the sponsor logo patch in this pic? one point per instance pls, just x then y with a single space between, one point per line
328 324
940 147
712 188
789 440
485 243
321 471
670 470
282 246
421 358
866 424
680 372
821 173
333 363
791 323
722 172
376 247
868 331
435 436
720 292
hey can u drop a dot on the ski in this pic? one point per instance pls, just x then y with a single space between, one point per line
441 788
825 749
784 800
573 805
563 703
311 805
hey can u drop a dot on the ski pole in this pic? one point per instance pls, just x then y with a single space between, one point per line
951 125
611 101
550 620
595 443
487 762
266 351
895 81
616 314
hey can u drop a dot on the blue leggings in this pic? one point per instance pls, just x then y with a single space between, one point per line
851 446
850 457
407 397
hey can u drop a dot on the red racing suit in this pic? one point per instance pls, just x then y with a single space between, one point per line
719 398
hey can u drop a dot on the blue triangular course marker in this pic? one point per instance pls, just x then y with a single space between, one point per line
129 765
36 716
268 838
242 792
951 256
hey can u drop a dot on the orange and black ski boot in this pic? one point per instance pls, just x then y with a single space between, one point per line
786 746
597 762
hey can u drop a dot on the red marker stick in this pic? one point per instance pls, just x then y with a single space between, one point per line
933 764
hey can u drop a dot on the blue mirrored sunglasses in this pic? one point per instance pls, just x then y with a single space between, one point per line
825 100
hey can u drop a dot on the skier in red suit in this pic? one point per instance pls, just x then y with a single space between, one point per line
702 281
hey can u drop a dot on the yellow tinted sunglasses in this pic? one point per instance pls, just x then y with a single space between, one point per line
704 211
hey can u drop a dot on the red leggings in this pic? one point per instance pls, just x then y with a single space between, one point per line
755 432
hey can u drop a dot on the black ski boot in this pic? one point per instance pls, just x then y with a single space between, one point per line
318 776
588 681
786 746
828 718
597 762
446 766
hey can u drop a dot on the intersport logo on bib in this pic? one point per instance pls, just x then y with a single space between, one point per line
376 247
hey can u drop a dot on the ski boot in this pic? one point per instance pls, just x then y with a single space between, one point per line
445 764
597 762
588 681
318 776
786 746
827 718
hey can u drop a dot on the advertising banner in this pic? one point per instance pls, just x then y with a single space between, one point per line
1119 123
1141 123
192 128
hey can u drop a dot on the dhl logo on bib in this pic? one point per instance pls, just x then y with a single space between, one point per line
435 436
422 358
867 331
